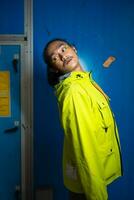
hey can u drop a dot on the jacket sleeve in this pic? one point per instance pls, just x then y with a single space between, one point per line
79 126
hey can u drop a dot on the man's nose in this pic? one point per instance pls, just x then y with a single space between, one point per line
62 57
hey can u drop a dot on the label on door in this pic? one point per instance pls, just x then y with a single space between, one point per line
5 94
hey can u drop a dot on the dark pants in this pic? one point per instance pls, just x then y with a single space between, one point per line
76 196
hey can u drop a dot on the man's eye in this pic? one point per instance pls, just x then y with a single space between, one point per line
64 48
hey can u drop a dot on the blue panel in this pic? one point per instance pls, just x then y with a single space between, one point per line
10 143
98 29
12 17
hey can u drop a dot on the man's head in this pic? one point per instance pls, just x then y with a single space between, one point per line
61 57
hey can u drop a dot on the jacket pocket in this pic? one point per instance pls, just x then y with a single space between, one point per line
109 164
105 114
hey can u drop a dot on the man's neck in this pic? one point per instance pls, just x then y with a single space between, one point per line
78 68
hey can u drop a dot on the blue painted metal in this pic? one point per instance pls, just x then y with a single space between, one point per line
10 146
12 17
98 29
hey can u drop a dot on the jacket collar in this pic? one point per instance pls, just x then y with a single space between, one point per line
77 74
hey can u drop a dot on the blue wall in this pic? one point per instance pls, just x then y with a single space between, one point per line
98 29
11 16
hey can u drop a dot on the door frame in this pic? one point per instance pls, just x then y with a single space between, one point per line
26 43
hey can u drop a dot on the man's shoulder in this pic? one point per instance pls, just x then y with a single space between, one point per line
70 91
69 87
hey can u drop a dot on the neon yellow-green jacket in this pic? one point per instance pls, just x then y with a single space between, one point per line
91 152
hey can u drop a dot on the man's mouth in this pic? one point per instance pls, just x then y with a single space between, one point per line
68 59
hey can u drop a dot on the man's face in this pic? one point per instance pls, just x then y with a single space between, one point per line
63 58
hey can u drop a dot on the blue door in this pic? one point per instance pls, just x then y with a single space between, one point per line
10 137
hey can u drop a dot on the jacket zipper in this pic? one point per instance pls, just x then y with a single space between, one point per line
114 128
117 142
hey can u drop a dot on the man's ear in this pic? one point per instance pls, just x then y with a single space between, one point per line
74 49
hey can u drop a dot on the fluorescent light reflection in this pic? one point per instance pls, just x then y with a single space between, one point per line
85 65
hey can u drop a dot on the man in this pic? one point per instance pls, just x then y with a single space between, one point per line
91 152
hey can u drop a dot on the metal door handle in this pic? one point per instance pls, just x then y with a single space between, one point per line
18 192
15 65
11 130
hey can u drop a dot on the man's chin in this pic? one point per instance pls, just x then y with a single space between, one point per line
71 67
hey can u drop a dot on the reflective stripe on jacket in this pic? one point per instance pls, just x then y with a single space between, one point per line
91 151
